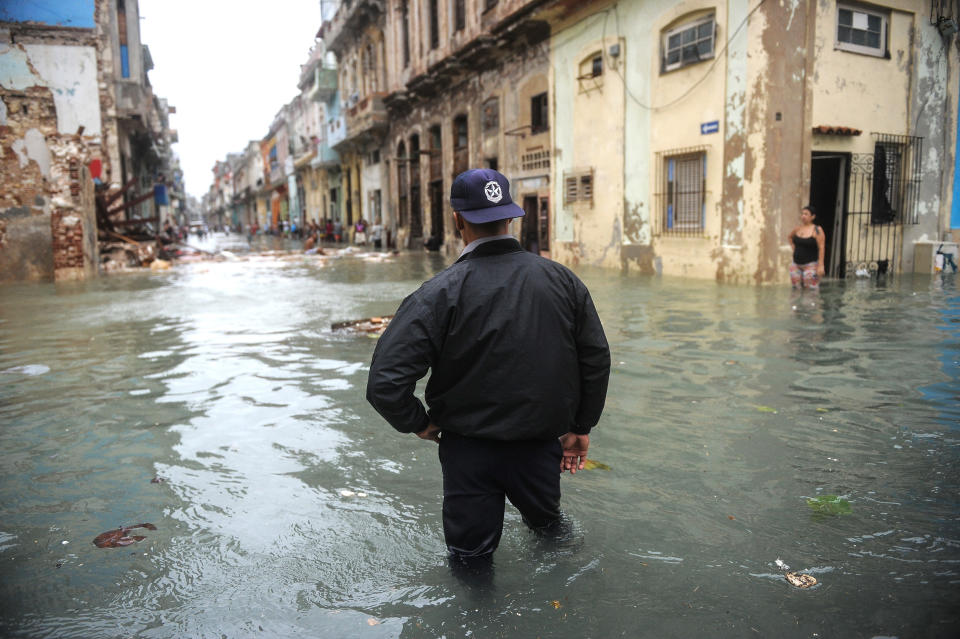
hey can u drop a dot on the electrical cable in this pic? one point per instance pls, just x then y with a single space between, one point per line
717 59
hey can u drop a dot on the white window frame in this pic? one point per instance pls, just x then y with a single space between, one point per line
680 29
880 52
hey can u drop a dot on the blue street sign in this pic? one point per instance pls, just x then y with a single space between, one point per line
709 127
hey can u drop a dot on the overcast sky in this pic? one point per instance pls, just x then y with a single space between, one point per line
228 66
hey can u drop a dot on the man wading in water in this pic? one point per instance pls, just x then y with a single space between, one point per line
519 368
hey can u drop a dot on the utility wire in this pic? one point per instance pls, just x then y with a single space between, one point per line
717 59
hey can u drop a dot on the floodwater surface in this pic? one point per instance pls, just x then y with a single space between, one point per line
215 402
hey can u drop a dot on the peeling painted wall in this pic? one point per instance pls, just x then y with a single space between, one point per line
589 137
50 96
906 93
70 72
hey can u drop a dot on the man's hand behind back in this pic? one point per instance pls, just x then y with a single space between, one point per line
574 452
431 433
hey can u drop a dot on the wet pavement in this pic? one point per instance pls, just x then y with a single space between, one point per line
214 402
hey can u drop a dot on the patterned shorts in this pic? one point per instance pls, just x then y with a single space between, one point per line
804 275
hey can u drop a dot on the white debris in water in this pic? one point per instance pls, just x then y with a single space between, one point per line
347 493
140 391
781 565
361 494
29 369
64 542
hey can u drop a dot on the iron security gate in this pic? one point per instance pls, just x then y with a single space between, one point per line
883 194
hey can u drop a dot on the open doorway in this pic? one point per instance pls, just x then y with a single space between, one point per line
828 179
436 212
528 229
535 225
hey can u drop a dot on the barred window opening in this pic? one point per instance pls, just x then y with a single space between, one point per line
681 191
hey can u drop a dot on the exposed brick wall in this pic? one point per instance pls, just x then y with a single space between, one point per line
47 215
67 230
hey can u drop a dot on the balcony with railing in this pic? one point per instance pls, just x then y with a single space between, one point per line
366 120
350 19
324 84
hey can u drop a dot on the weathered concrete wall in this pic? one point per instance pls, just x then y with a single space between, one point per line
906 94
511 83
933 109
49 119
589 137
25 168
734 146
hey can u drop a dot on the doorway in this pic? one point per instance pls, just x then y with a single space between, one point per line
436 212
828 179
535 227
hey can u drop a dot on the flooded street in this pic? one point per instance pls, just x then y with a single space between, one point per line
285 506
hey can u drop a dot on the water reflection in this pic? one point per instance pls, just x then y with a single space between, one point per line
288 507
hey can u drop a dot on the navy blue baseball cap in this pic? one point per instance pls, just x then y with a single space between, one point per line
483 195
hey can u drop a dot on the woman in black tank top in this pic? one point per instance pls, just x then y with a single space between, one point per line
808 242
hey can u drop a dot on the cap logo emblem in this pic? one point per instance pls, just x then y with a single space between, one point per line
493 192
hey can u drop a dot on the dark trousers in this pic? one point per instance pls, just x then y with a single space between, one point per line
479 473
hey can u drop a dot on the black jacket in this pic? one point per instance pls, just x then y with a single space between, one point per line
514 343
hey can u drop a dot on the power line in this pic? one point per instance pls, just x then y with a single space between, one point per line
717 59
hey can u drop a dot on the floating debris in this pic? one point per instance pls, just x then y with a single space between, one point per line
371 325
119 537
800 580
591 464
158 480
829 505
766 409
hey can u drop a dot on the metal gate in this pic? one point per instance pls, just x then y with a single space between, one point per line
883 193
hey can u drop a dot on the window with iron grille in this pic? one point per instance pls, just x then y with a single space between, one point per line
688 43
535 160
578 187
460 132
861 30
681 196
461 158
539 114
896 178
491 115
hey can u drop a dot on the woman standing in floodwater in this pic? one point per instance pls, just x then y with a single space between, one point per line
808 243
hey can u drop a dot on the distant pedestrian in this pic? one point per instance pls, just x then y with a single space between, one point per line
337 230
376 233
